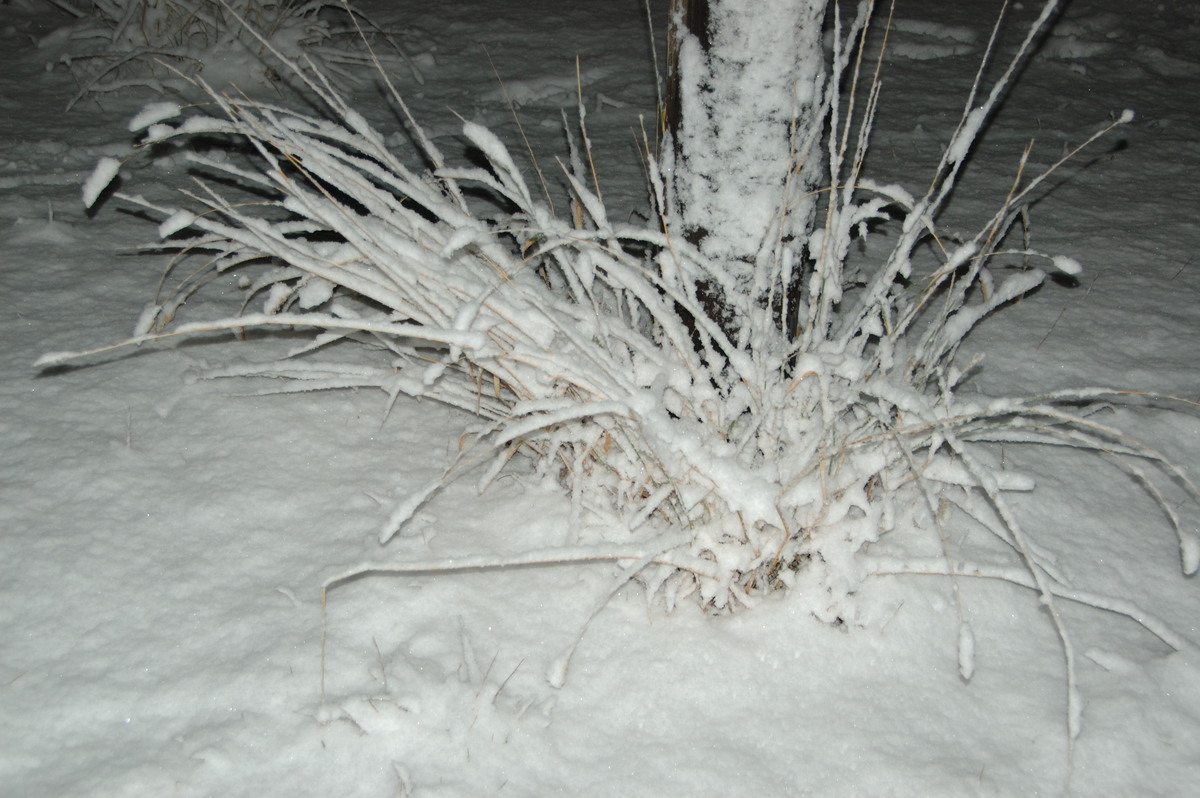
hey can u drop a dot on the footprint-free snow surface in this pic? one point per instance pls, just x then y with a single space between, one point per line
163 539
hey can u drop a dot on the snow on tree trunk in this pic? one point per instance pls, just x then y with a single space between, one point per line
745 117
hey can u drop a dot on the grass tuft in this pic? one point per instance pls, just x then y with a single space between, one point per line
123 45
725 465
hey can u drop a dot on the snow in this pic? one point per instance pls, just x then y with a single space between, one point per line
105 172
1067 265
153 114
164 541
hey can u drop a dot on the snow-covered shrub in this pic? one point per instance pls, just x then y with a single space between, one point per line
152 44
724 466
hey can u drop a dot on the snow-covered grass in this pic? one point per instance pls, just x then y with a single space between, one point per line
572 350
119 45
714 460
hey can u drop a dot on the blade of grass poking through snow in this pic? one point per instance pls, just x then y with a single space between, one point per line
540 557
887 566
992 490
512 107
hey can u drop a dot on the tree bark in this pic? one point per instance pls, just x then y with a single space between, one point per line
745 81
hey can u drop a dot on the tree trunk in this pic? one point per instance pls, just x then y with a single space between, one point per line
743 114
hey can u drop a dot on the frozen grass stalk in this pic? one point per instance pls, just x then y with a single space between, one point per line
726 461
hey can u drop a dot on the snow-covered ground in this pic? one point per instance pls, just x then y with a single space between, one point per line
163 540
